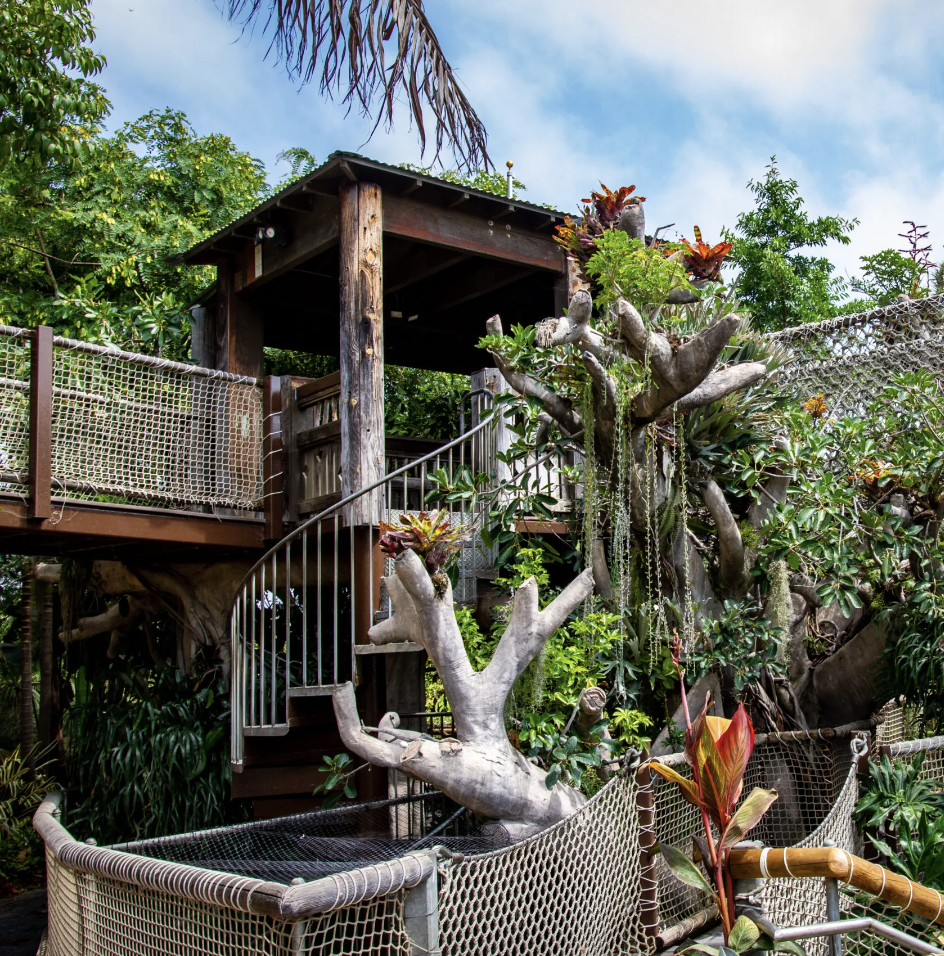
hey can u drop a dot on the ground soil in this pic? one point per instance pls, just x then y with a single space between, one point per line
22 921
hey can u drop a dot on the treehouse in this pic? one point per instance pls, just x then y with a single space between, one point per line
149 463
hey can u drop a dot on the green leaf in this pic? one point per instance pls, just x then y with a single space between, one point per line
744 933
553 775
685 869
747 816
789 946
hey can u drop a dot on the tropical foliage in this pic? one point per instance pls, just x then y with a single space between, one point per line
23 784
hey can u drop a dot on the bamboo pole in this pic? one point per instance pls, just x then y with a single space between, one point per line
835 863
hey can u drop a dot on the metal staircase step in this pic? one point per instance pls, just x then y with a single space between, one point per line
398 647
319 690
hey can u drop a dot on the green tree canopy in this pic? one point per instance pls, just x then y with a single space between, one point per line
89 249
47 102
781 284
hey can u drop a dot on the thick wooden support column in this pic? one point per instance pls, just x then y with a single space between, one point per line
272 456
237 332
40 443
362 410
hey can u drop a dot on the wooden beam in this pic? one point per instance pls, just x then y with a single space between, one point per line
361 352
299 202
425 262
99 524
272 456
311 233
468 289
40 441
348 171
462 197
238 326
416 184
461 231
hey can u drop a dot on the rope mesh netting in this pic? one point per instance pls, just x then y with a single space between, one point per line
14 409
850 358
817 790
94 915
134 428
148 431
312 845
573 888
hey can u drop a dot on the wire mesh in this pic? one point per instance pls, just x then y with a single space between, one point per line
146 431
855 904
14 410
846 358
573 888
309 846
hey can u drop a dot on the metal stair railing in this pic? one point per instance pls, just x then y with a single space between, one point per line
299 609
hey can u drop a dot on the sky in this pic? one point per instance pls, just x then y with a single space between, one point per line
686 100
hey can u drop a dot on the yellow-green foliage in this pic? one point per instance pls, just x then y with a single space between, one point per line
626 267
20 794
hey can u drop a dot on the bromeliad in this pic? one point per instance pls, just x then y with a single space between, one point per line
717 750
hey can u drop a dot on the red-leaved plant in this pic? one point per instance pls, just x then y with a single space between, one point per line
431 536
717 750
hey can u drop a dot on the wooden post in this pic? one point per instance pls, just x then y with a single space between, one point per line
648 885
272 456
47 665
40 444
361 352
27 735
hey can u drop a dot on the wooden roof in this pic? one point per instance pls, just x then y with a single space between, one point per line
452 257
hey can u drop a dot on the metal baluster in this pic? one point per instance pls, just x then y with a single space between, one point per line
351 538
274 677
334 636
288 622
318 606
305 608
262 645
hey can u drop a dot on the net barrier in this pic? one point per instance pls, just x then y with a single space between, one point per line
849 359
135 429
579 886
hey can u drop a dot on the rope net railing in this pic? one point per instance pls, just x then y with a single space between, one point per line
579 886
134 429
848 359
14 409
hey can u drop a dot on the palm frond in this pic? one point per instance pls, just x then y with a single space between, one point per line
370 51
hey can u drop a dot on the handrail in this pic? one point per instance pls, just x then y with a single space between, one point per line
838 864
337 506
239 893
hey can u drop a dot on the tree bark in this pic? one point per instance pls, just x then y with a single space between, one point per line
47 662
27 734
480 769
362 350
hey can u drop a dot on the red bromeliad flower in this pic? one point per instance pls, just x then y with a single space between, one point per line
704 261
717 750
603 214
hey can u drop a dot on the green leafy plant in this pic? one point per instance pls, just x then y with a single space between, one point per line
601 214
149 753
895 794
339 782
717 750
22 789
739 640
919 853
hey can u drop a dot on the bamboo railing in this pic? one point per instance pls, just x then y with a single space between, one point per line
838 864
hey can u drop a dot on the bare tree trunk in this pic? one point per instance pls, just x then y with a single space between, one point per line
46 667
27 736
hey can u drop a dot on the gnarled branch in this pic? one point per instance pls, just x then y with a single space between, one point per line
730 545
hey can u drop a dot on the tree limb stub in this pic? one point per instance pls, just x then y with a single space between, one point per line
722 382
730 545
676 371
558 408
574 328
120 616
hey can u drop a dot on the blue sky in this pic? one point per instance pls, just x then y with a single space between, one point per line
686 100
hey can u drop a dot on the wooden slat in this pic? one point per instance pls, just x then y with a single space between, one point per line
840 865
458 230
40 443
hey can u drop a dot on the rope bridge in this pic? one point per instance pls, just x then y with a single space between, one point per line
119 426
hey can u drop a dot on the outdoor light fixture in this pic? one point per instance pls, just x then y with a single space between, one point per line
263 233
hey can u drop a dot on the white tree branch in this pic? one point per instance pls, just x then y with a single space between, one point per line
730 545
722 382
